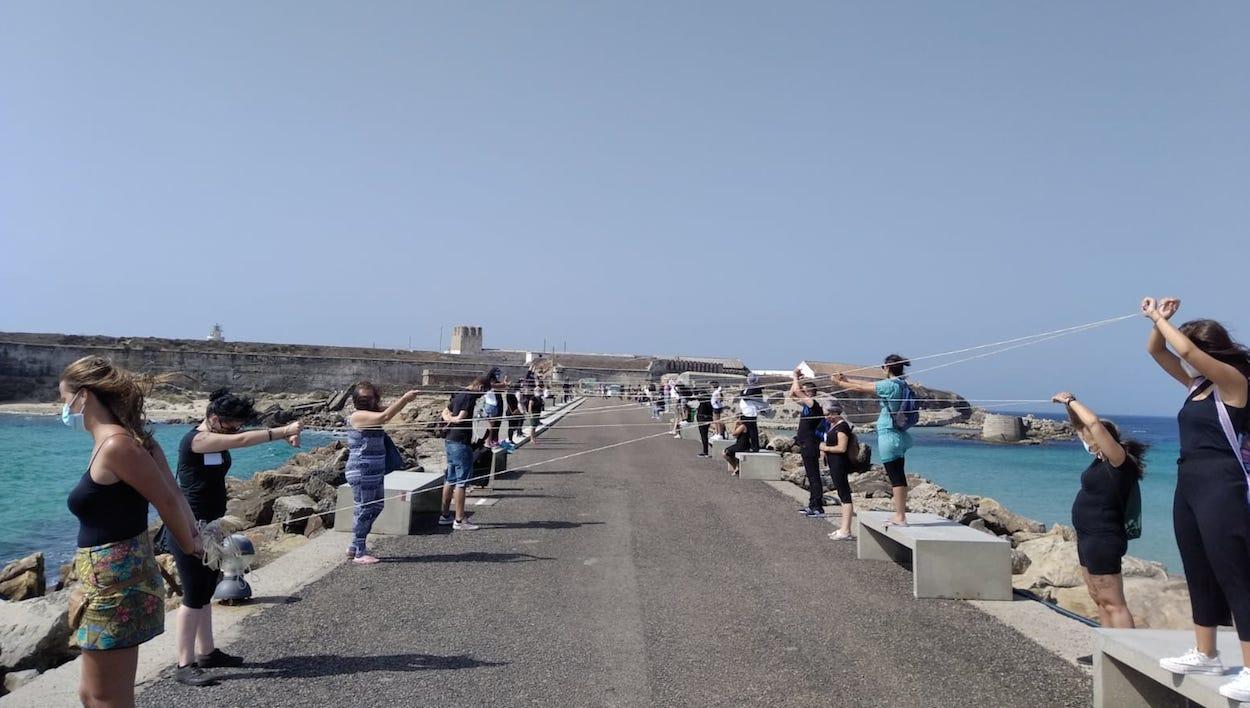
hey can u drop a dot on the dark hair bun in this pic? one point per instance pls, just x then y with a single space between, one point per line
224 404
219 393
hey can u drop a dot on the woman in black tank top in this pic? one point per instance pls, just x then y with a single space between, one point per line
1211 509
123 596
1099 510
203 462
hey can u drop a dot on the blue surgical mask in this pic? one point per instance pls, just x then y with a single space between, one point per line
71 419
1087 447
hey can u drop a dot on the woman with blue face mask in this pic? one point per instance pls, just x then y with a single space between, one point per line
119 602
1099 512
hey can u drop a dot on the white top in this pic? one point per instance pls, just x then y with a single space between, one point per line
718 399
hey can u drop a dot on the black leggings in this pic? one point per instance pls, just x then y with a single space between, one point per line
815 489
198 581
839 469
894 470
753 433
703 425
1212 522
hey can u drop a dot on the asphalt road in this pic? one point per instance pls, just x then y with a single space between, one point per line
635 576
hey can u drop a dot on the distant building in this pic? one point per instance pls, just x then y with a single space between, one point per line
466 340
215 335
829 369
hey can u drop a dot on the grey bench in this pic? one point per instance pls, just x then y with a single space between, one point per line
407 494
949 560
759 465
690 431
1127 673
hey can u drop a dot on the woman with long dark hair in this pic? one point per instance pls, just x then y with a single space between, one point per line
120 600
1210 511
203 463
892 442
1099 512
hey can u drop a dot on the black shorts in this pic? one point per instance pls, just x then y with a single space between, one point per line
894 471
198 581
1101 553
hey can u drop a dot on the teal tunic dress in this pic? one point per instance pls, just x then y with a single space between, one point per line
891 443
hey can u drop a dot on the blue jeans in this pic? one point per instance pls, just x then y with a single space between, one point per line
459 463
367 493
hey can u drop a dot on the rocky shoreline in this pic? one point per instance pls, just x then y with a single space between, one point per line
1044 560
279 510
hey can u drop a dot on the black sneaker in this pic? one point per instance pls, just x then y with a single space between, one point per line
1087 660
193 675
218 659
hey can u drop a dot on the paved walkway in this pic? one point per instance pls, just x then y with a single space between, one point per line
636 576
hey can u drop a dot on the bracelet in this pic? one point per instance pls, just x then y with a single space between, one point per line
270 432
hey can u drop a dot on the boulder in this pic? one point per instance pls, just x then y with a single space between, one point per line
314 526
16 679
1078 600
34 634
1019 562
270 481
781 444
1003 521
318 489
1052 563
292 512
253 506
1159 603
23 579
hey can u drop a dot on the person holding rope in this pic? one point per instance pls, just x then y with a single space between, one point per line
459 416
703 418
534 411
893 440
516 416
804 394
370 455
203 463
750 403
839 444
1210 512
718 405
119 602
1100 510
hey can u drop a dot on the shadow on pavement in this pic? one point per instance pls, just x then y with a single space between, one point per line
473 557
318 665
551 525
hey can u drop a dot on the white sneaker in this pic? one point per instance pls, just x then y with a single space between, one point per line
1193 662
464 526
1239 688
839 536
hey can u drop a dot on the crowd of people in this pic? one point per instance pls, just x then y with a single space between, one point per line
120 602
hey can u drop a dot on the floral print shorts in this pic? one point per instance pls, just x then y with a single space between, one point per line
128 617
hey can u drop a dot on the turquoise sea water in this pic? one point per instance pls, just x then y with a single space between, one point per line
41 460
1040 481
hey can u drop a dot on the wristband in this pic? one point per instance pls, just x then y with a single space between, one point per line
270 432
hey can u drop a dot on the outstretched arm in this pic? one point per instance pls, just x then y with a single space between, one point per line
217 442
1085 419
372 419
857 386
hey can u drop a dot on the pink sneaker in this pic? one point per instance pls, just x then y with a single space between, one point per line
365 560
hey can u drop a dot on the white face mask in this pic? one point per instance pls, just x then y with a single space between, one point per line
72 420
1086 446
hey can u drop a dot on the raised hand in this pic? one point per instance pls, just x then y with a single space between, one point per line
1168 307
1149 308
1063 397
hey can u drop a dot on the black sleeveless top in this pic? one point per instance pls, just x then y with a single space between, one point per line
840 461
106 512
1099 506
202 477
1201 434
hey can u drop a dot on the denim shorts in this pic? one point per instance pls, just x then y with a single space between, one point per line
459 463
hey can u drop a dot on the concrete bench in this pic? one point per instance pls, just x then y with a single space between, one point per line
949 560
399 513
690 431
499 465
759 465
1127 673
719 446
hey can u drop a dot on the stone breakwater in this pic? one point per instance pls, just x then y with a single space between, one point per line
279 510
1043 560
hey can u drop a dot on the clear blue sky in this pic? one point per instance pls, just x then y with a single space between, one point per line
770 180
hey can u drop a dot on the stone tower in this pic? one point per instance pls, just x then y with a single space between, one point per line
466 339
